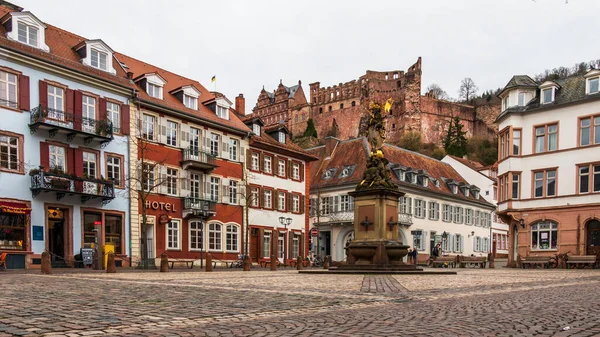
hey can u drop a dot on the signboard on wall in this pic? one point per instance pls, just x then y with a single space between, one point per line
37 233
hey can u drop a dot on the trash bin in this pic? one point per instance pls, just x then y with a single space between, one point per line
108 248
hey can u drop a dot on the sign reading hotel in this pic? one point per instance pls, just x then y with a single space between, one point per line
163 206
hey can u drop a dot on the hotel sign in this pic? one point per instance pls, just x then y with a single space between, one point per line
163 206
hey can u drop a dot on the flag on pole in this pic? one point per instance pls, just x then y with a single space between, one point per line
213 79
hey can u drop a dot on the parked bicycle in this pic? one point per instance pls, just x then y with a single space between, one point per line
555 260
239 263
317 261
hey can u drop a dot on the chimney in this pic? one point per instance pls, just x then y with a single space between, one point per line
240 104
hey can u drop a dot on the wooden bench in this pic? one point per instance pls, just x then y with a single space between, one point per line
188 263
472 261
443 260
580 261
535 261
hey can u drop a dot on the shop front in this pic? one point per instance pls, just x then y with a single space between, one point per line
15 241
105 228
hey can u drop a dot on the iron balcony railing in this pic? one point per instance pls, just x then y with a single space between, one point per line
198 204
66 184
196 155
405 219
55 120
9 103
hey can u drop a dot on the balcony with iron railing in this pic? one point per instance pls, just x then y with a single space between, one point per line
405 219
56 121
196 159
202 206
63 184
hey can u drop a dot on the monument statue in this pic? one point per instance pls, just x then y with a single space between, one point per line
377 175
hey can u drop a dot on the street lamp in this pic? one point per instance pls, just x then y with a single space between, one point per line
284 222
522 223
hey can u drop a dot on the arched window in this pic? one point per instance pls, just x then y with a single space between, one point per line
303 117
321 110
544 235
353 103
232 238
214 236
196 239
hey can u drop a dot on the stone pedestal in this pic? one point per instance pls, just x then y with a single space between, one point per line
376 245
110 265
209 264
164 263
46 266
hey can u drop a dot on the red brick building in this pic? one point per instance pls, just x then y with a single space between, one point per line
189 151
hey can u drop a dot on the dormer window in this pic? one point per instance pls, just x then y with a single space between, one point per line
28 34
401 175
281 137
190 102
476 194
347 171
466 191
454 189
547 95
329 173
27 29
413 178
425 182
98 59
521 99
256 129
222 112
154 90
506 102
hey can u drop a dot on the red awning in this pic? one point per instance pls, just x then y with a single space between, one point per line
14 208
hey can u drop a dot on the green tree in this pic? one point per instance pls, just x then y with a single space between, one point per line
411 140
310 129
455 143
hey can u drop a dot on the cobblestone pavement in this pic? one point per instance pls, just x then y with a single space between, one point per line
477 302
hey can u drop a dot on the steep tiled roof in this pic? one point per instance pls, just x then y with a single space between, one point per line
571 89
356 151
470 163
62 52
175 81
276 146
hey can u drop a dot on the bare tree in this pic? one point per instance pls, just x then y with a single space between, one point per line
146 178
437 92
468 89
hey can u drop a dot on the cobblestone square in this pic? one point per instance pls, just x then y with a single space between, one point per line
499 302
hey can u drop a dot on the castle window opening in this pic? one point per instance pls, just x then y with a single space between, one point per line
390 112
399 84
296 119
341 106
353 103
395 76
331 95
393 126
386 77
320 110
330 108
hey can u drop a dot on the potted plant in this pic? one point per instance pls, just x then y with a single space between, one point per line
34 172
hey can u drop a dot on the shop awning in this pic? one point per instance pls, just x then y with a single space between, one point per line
14 208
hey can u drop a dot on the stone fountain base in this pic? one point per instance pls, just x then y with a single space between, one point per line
377 255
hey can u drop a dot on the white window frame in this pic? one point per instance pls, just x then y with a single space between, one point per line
543 95
215 237
548 227
172 132
9 81
296 203
268 199
468 216
233 149
255 195
281 137
148 182
295 249
256 129
7 148
447 213
90 164
148 127
190 102
98 57
113 111
232 238
267 167
420 208
114 164
214 185
56 102
88 113
57 157
215 140
281 168
266 248
154 90
589 85
281 204
434 210
406 205
196 235
222 112
30 31
296 171
172 176
255 161
233 192
173 229
195 182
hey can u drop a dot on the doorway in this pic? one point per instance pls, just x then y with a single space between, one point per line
57 236
515 250
593 238
325 243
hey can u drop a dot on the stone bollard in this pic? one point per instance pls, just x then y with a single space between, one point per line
299 262
327 262
209 266
46 267
247 263
273 264
164 263
110 265
491 259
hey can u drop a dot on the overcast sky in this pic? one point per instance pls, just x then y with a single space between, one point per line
248 44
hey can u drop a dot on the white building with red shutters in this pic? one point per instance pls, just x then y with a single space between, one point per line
64 107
